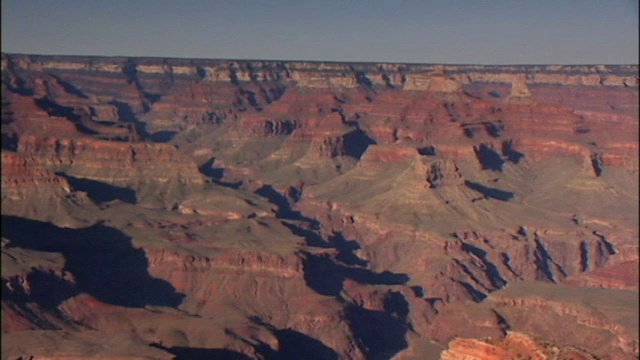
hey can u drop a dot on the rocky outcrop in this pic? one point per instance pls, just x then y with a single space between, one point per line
623 276
149 171
513 346
31 189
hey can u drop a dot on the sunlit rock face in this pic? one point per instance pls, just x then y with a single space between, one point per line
176 208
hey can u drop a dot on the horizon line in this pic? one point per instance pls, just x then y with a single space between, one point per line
369 62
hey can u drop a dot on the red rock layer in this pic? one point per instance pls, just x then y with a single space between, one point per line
400 196
513 346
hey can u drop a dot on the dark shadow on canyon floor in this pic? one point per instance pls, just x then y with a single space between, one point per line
490 192
347 250
293 345
69 87
489 158
311 237
9 142
356 143
102 259
512 154
284 207
163 136
18 86
46 289
490 268
208 169
325 276
99 191
191 353
380 335
127 115
52 108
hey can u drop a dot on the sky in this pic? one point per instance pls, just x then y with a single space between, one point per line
406 31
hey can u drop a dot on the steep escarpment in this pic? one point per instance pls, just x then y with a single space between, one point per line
31 189
153 173
272 209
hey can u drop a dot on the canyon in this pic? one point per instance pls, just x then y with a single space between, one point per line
200 209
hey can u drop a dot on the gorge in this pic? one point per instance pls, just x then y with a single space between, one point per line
195 209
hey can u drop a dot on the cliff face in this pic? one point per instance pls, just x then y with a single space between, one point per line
318 210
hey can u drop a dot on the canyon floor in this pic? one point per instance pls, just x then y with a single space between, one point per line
215 209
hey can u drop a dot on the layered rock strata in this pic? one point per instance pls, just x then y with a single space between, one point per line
266 209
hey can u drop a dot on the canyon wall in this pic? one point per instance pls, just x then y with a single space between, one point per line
275 209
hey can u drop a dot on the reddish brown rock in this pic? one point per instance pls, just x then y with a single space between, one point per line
290 209
513 346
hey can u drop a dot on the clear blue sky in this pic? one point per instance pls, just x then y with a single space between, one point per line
424 31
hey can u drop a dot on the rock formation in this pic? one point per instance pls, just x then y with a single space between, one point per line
176 208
